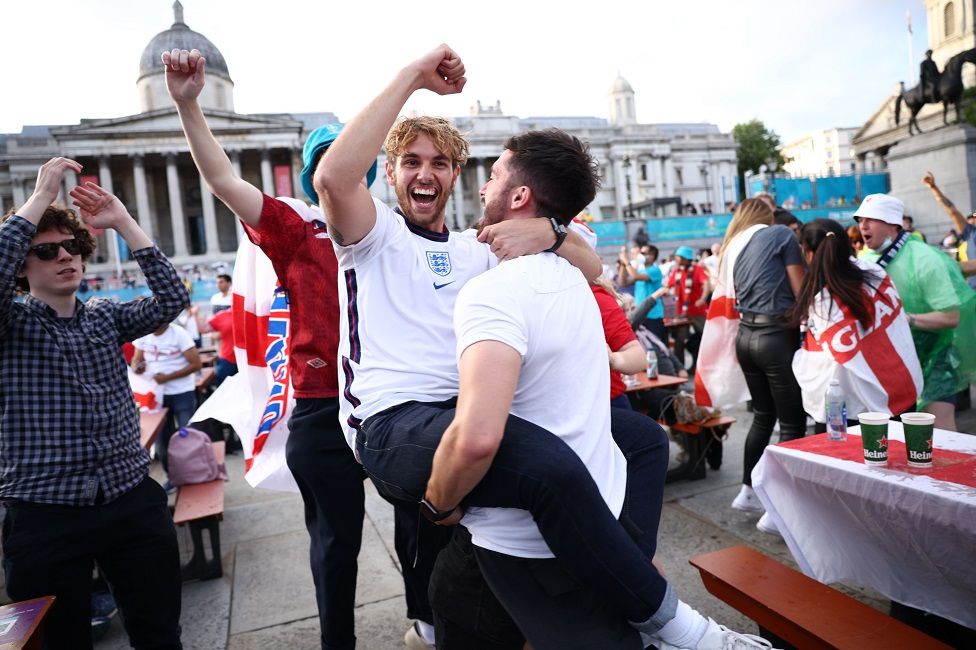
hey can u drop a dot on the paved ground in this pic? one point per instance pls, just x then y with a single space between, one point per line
265 599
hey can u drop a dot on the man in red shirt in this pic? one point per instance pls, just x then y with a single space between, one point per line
294 237
222 324
688 282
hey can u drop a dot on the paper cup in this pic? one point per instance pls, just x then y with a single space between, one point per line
874 437
918 438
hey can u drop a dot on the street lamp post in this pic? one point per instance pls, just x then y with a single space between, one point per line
771 166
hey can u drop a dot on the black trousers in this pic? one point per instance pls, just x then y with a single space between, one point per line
50 550
765 353
331 483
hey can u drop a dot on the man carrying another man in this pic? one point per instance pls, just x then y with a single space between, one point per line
402 271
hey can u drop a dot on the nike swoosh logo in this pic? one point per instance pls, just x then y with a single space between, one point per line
441 286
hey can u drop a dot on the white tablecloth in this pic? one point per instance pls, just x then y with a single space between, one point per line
910 537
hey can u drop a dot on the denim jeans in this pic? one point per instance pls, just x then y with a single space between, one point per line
536 471
181 408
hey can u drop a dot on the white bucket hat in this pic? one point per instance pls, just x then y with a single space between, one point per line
881 207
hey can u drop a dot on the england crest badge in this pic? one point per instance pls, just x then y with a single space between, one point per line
439 262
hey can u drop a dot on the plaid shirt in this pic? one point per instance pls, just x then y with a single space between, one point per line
68 424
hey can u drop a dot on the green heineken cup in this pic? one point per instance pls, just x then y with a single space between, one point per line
874 437
918 438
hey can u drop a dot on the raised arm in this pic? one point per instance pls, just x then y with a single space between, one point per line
185 79
346 202
958 219
99 209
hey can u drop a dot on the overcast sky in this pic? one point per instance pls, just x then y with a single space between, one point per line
796 65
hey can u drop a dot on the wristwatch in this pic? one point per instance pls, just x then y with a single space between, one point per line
560 230
428 510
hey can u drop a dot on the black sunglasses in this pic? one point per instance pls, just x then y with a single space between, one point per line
47 252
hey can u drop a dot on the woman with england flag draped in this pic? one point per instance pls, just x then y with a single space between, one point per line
857 331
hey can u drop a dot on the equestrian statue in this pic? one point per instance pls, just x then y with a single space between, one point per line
935 87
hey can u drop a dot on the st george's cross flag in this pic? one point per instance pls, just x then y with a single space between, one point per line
877 366
258 399
719 381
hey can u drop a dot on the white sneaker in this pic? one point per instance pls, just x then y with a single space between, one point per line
414 641
719 637
747 501
767 525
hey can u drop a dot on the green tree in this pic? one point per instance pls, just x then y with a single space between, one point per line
755 145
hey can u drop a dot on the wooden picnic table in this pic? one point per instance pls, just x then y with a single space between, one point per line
22 623
661 381
150 425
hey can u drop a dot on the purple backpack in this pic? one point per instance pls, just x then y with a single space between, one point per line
192 459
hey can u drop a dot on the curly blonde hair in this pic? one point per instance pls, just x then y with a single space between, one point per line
442 133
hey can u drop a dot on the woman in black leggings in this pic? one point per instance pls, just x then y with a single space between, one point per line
767 275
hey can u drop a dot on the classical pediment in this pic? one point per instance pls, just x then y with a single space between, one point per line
166 122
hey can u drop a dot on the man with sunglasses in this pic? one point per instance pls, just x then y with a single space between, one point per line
73 475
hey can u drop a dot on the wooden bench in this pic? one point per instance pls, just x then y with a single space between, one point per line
799 610
20 624
201 506
703 443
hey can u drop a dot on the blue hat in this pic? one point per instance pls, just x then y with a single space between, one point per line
685 252
318 141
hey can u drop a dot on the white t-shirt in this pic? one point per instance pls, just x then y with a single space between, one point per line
219 301
541 306
397 288
165 354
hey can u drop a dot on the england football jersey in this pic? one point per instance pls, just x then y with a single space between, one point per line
397 288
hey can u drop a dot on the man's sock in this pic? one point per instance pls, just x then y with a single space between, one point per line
686 629
426 631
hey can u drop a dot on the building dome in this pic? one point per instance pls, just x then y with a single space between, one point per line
218 94
182 37
620 85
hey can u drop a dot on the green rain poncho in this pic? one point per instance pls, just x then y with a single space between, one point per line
928 280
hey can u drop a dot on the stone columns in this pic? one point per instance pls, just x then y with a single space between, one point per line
480 175
176 207
459 219
235 162
142 195
70 183
267 179
209 218
619 188
18 187
669 176
105 180
659 177
296 181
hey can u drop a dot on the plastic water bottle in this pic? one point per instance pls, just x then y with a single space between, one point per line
651 364
836 412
